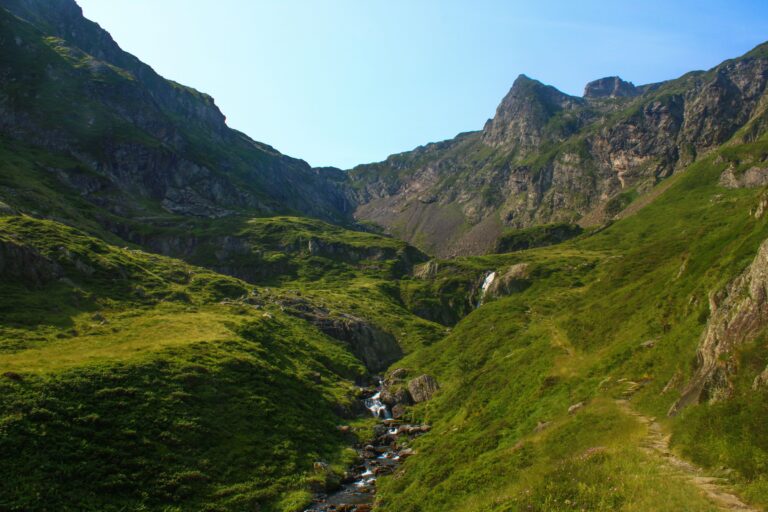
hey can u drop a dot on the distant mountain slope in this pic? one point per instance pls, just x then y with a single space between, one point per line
550 157
136 144
547 389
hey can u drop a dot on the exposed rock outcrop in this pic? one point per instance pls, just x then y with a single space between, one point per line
738 314
610 87
376 348
547 157
513 280
18 261
753 177
524 112
761 381
422 388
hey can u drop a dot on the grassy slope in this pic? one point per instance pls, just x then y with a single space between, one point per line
139 381
575 335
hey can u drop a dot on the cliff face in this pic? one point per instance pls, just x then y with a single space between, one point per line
549 157
610 87
738 314
141 151
152 146
522 117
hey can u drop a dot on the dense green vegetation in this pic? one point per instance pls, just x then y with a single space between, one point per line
580 334
536 236
209 378
143 382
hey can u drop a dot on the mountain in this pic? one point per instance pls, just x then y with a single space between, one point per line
133 380
130 142
550 157
190 320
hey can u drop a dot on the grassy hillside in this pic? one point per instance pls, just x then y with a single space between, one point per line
148 144
616 315
136 381
175 335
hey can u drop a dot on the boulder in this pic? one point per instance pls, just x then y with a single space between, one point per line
754 177
761 381
395 396
422 388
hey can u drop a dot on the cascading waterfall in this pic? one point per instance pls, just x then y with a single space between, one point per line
375 405
487 282
381 456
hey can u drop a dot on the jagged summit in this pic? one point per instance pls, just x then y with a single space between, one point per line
524 111
610 87
547 156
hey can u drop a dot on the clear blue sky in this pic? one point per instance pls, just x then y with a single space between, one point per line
351 81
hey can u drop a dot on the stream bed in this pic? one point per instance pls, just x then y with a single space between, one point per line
381 456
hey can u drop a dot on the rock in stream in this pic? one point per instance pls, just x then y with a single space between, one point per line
381 456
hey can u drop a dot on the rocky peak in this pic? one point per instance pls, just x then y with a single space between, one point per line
522 115
610 87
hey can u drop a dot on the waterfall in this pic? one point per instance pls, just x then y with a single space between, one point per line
375 405
489 278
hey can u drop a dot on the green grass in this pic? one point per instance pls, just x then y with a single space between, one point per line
138 381
537 236
575 335
132 381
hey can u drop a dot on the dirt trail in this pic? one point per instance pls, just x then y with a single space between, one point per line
656 442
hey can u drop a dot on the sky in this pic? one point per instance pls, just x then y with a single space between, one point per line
345 82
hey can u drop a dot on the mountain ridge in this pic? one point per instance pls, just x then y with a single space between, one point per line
133 128
584 153
190 320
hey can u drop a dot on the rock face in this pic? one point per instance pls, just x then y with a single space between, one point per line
377 349
524 113
539 236
753 177
26 264
610 87
761 381
422 388
738 314
547 157
513 280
